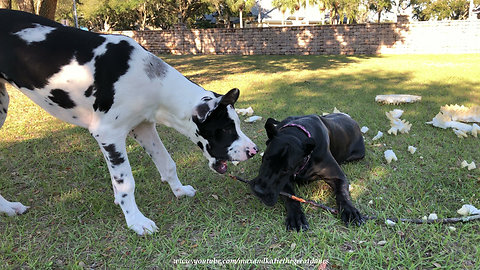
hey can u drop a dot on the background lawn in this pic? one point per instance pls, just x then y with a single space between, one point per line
58 170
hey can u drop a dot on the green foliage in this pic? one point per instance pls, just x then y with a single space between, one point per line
425 10
380 6
240 5
142 14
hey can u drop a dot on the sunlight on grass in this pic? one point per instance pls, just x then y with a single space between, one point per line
70 195
59 170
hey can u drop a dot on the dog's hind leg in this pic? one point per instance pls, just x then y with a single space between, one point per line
146 135
4 100
10 208
112 144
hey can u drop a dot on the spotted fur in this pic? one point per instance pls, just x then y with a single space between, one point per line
112 86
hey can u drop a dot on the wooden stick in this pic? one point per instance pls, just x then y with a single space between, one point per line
295 198
396 220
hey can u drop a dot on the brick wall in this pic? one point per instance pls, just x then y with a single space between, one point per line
402 37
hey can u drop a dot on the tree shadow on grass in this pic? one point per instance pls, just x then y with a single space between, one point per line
201 69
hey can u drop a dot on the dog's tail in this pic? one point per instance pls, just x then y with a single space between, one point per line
3 103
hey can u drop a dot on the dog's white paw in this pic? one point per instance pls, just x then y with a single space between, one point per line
184 191
13 208
141 225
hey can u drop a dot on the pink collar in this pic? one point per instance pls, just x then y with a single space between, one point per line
307 158
298 126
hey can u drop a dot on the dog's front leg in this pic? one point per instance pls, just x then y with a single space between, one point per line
114 151
348 212
146 135
296 219
11 208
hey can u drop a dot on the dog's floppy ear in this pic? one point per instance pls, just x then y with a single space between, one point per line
231 97
204 109
308 145
271 127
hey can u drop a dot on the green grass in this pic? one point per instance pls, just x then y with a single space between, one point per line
59 171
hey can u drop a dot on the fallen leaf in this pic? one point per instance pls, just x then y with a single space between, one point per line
273 246
381 243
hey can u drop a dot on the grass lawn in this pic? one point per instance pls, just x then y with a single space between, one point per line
58 170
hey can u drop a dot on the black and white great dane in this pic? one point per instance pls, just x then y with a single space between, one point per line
112 86
301 149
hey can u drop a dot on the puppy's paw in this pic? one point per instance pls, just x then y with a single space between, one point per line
141 225
350 214
296 221
184 191
13 208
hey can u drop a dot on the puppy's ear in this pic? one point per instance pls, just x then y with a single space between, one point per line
204 109
271 127
308 145
231 97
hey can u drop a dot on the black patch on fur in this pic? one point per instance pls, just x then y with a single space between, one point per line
202 111
219 130
114 156
62 99
30 65
89 91
155 67
200 145
124 195
109 67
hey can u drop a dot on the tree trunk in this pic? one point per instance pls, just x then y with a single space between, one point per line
6 4
241 18
26 5
47 8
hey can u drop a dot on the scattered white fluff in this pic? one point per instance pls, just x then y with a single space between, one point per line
396 123
467 210
470 166
475 130
411 149
462 113
397 98
449 117
451 228
424 218
460 133
370 202
390 222
390 155
235 163
381 243
262 153
335 110
364 129
396 113
432 216
378 136
248 111
252 119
